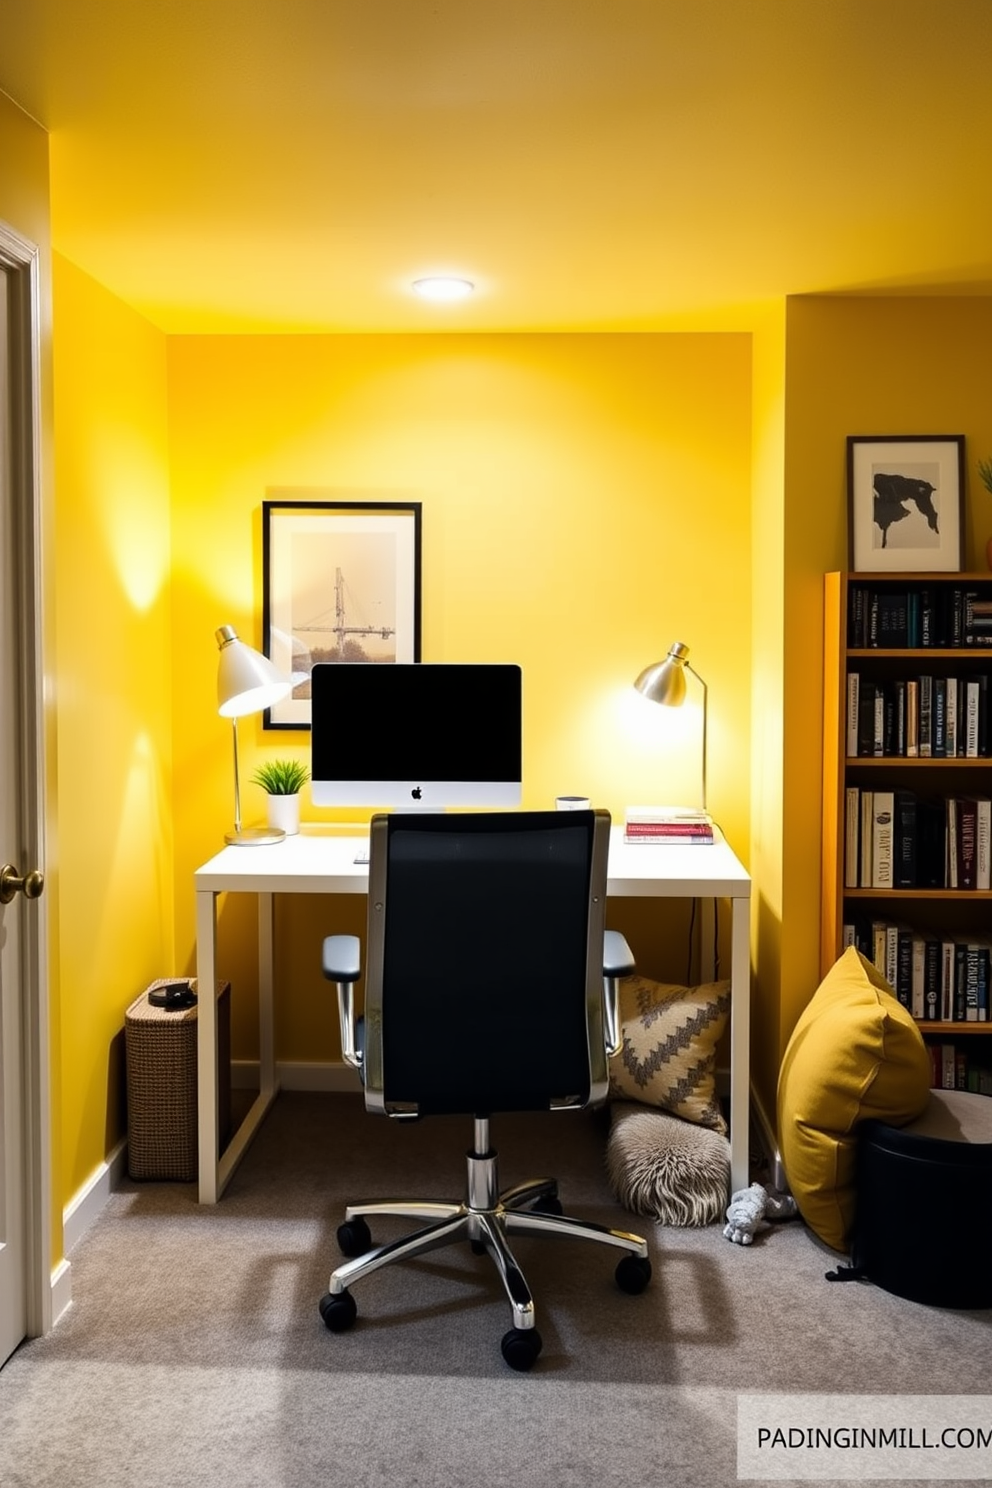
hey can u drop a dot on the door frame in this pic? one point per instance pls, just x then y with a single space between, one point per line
20 261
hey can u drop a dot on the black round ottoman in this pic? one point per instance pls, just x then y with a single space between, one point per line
923 1223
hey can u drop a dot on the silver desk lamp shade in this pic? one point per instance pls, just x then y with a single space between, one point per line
664 682
247 682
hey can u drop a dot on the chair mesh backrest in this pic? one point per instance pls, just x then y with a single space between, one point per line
484 968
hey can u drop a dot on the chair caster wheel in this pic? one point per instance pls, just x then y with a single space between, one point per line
338 1311
521 1347
552 1204
354 1237
633 1274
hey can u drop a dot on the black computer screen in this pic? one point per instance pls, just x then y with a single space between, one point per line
416 734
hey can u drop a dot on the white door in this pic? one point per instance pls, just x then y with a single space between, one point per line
25 1301
13 1275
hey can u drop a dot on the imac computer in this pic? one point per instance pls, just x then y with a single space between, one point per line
416 735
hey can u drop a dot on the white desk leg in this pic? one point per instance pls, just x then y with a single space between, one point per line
208 1117
740 1044
238 1145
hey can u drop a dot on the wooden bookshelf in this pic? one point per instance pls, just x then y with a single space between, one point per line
963 654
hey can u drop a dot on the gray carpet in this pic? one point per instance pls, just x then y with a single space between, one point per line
194 1354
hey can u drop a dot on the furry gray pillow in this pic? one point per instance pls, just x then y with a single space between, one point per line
665 1168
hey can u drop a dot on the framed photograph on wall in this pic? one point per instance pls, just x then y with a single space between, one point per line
905 495
341 582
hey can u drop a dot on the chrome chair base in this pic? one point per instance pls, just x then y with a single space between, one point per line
486 1219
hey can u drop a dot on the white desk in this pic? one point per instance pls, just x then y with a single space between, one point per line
321 861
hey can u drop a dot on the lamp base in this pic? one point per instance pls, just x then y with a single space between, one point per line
254 836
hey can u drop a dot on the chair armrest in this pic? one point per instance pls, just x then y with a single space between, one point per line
618 961
342 958
342 963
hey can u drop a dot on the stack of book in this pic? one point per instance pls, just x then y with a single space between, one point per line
678 826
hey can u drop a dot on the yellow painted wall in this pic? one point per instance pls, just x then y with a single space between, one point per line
585 503
24 178
587 499
767 857
112 559
855 366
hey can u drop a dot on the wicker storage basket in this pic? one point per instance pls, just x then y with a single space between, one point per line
160 1048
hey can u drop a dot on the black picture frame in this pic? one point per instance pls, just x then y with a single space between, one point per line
341 582
905 496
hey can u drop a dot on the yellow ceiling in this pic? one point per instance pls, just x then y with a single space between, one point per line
271 165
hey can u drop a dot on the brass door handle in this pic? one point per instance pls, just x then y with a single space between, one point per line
11 883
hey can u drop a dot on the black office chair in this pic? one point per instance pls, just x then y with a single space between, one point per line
491 985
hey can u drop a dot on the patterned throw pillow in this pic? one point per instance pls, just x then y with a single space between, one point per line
668 1057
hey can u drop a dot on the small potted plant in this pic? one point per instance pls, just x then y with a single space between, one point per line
282 780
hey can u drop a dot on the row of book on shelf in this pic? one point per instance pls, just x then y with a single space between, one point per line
919 616
923 717
960 1067
896 839
939 978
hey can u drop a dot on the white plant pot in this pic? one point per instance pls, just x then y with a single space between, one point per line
284 812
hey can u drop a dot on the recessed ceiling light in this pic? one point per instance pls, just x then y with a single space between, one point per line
443 287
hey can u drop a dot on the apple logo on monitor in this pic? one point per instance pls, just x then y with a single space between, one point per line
416 793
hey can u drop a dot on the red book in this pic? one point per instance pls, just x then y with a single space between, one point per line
668 829
966 845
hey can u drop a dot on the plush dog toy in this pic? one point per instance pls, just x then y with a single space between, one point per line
746 1214
750 1211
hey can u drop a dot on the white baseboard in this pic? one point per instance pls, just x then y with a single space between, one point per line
337 1078
77 1216
61 1290
86 1204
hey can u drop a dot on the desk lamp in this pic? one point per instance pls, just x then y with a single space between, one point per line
664 682
247 682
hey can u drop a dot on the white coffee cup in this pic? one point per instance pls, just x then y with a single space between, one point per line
571 803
